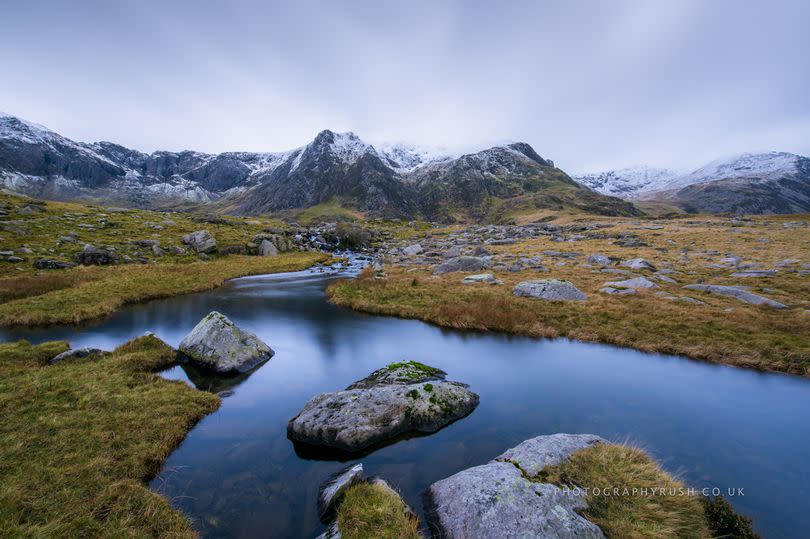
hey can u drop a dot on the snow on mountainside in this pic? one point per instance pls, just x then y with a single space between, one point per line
409 157
754 166
628 182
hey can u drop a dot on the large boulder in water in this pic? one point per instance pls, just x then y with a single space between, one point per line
397 399
549 289
504 497
217 344
201 241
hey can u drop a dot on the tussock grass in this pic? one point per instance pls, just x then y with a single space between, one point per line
678 515
373 510
79 294
722 331
78 440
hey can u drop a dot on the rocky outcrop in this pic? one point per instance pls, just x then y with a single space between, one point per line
219 345
462 263
549 289
201 241
395 400
736 293
505 498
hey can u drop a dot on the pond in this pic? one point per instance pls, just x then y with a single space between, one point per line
237 474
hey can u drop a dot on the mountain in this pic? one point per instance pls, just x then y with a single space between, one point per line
628 183
394 181
755 183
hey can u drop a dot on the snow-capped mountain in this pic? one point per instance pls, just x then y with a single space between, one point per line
400 180
769 182
628 182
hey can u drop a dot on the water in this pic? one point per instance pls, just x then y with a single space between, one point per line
237 474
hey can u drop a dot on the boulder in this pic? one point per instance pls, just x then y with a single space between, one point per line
266 248
736 293
637 264
599 260
412 250
74 353
549 289
201 241
398 399
754 273
331 492
504 498
636 283
617 291
91 255
218 344
462 263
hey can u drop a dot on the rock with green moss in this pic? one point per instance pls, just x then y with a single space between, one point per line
398 399
218 344
504 497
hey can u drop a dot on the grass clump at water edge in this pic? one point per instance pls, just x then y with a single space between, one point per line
374 510
79 439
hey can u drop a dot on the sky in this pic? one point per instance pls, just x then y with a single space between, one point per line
592 85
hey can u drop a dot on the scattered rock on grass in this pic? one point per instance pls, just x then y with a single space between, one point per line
636 283
462 263
737 293
74 353
638 264
201 241
549 289
481 278
266 248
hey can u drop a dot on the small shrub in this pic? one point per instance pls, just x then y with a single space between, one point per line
723 521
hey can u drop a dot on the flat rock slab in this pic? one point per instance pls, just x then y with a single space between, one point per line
736 293
635 284
754 273
481 278
638 264
219 345
398 399
499 500
549 289
462 263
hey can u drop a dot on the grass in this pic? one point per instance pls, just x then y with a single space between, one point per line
674 513
374 510
79 439
79 294
327 211
722 331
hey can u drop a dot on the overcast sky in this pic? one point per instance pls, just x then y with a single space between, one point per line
591 85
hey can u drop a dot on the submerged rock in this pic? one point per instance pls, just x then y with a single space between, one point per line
462 263
397 399
504 498
218 344
549 289
331 492
201 241
737 293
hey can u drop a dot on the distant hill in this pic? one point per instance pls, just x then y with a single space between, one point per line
394 181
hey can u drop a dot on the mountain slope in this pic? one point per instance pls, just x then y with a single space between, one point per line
395 181
628 183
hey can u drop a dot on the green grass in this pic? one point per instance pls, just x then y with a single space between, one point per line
79 439
81 294
374 510
678 516
327 211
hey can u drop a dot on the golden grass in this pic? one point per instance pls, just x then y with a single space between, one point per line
673 512
373 510
723 331
79 439
79 294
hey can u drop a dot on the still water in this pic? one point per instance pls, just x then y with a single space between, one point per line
237 474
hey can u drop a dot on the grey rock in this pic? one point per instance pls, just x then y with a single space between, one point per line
156 250
412 250
617 291
754 273
498 499
266 248
481 251
737 293
636 283
599 260
48 263
331 492
201 241
462 263
481 278
91 255
638 264
74 353
454 251
549 289
15 259
687 299
218 344
395 400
